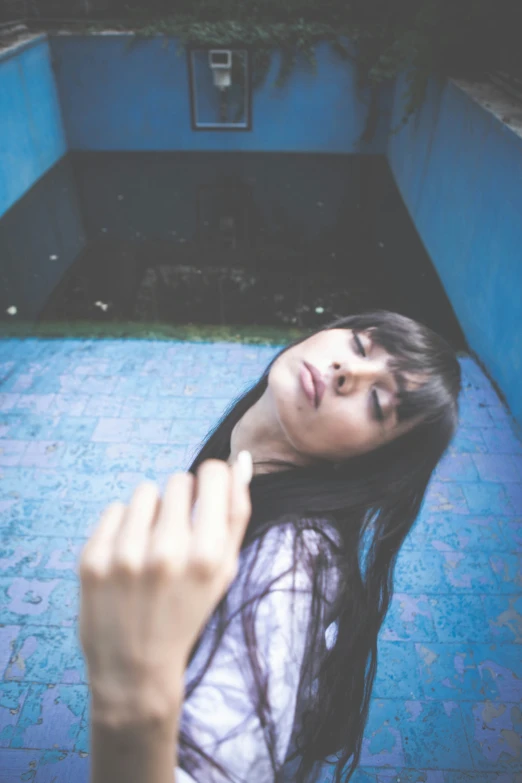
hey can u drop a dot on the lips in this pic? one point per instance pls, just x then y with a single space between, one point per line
318 383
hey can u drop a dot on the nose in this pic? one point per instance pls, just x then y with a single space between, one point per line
348 377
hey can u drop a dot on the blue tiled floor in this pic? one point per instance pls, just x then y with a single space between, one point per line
82 422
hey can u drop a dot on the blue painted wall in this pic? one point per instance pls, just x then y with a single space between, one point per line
121 93
459 170
31 133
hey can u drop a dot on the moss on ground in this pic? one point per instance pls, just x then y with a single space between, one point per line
254 335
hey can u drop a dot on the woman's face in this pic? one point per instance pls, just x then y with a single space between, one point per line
335 395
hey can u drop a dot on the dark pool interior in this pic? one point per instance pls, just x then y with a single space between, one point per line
216 239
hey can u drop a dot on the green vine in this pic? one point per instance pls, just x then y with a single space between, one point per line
295 42
461 38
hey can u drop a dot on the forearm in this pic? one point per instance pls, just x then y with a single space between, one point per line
143 752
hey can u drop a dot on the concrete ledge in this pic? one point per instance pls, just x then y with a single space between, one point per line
505 108
24 41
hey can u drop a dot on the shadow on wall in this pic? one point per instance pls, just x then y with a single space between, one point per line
40 238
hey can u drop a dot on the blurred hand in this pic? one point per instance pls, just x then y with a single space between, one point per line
149 580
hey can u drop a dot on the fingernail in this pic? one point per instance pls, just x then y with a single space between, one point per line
246 467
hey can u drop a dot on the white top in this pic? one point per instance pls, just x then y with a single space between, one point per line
219 714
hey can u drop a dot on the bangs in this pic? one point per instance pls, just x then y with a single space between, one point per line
423 363
420 395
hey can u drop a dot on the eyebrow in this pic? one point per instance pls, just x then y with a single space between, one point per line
398 377
400 383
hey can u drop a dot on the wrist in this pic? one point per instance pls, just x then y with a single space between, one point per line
136 713
136 748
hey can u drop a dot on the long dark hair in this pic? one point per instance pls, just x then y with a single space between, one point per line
373 501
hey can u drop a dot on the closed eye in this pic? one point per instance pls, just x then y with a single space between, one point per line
359 345
377 409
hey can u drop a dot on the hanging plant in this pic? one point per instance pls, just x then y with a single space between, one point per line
460 38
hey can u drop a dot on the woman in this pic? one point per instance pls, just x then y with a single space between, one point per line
345 429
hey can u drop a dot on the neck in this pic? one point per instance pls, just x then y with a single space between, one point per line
259 431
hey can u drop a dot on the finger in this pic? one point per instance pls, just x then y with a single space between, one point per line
96 555
240 503
132 541
170 538
210 529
